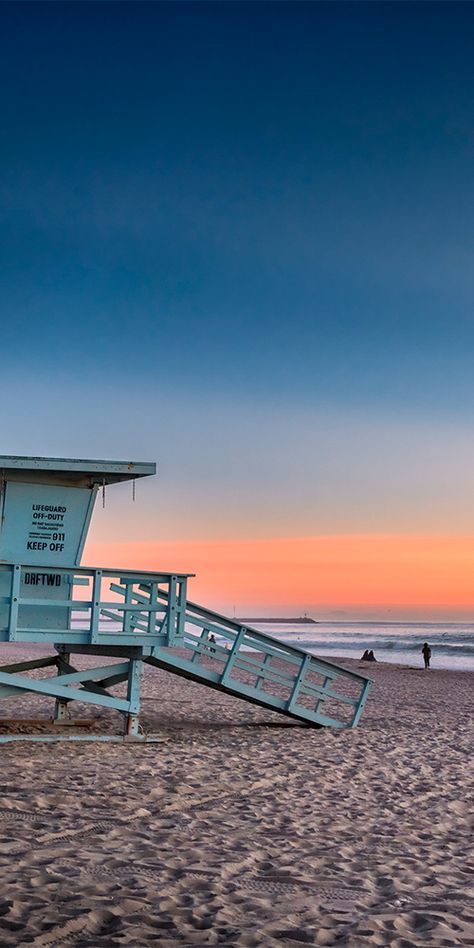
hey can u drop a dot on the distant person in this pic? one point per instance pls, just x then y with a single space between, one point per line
371 657
426 652
365 657
212 642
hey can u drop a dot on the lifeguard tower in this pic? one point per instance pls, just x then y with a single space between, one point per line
131 617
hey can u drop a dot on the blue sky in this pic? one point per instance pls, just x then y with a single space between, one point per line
238 238
284 191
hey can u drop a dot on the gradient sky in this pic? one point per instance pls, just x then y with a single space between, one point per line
238 239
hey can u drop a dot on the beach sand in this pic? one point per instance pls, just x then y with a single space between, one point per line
243 829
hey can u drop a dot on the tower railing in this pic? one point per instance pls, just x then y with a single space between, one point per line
236 658
146 617
80 605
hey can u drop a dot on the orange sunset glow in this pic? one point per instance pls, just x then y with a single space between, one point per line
427 573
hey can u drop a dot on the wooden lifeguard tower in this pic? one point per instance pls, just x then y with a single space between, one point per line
132 617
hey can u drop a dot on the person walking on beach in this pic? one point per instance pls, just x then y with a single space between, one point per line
426 652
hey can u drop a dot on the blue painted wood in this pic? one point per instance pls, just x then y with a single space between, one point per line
95 612
305 664
170 621
14 602
29 665
133 695
61 707
149 616
48 686
133 615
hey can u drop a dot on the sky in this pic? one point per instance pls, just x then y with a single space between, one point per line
237 239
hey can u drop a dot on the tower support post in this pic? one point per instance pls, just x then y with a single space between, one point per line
61 709
132 719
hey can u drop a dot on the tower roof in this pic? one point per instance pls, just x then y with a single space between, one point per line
79 472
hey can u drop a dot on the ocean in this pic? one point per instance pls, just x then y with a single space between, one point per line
452 643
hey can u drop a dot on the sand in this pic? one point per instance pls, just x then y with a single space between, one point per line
237 831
